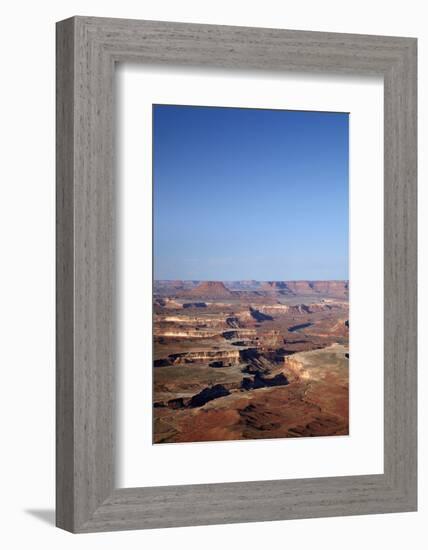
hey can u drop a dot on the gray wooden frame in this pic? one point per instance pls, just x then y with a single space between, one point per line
87 50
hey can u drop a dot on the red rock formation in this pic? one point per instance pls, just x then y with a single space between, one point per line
331 288
211 289
274 286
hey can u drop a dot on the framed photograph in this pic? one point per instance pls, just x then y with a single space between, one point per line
233 189
236 274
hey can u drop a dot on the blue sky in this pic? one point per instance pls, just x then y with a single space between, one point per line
249 194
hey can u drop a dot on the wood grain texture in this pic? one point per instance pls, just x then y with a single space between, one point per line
87 49
64 276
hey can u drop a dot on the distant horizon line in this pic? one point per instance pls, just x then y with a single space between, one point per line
255 280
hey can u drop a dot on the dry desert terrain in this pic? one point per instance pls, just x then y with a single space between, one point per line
250 360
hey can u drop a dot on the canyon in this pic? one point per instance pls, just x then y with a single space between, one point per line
250 360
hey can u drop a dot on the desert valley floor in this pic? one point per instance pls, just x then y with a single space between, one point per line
250 360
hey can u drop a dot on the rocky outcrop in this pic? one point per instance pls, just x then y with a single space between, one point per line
215 358
275 286
176 403
301 309
275 309
330 288
211 289
230 356
261 381
233 322
249 285
259 316
186 333
307 288
218 289
172 287
201 322
166 303
194 305
208 394
239 333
